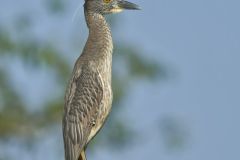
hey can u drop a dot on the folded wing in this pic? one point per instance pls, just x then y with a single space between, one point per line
82 105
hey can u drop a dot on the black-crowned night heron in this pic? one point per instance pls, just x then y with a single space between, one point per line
88 97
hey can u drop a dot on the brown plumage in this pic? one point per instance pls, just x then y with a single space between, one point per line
88 97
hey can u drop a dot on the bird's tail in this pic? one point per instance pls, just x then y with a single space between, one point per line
82 156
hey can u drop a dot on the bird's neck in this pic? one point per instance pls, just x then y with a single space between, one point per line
99 44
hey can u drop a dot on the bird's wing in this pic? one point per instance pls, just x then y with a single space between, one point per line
81 110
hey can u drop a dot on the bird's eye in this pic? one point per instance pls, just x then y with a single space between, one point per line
107 1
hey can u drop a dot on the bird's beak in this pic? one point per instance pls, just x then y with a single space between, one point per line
127 5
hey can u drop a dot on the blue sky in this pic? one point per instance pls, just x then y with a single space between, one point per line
200 41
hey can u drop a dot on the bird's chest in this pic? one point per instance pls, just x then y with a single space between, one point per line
106 75
103 113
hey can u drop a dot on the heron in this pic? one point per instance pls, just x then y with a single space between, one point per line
88 97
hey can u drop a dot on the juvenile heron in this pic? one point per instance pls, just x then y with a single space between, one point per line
88 97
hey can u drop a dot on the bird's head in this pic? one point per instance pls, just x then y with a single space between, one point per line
109 6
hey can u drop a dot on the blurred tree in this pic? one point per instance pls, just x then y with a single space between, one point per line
16 120
174 133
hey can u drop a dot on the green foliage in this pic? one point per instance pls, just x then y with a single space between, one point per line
6 43
138 66
55 6
174 133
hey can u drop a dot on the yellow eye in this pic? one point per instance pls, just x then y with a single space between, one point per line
107 1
